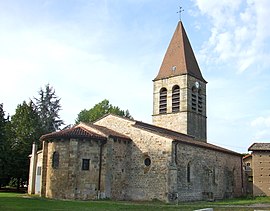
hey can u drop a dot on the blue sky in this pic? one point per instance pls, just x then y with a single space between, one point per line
92 50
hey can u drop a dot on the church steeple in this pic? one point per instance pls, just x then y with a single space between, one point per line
179 98
179 58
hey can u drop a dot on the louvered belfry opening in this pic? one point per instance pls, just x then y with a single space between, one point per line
200 102
163 101
197 100
175 99
194 99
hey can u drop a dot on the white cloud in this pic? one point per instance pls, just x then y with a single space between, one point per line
81 66
261 122
261 128
238 33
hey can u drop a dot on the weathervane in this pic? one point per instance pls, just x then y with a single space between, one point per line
180 12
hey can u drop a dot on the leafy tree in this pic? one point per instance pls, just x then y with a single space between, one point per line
4 148
26 129
48 107
99 110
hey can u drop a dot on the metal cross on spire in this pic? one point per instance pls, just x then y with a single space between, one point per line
180 12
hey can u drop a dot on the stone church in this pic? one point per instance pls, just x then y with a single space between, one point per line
123 159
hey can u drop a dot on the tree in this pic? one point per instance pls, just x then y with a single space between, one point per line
26 129
99 110
48 107
4 148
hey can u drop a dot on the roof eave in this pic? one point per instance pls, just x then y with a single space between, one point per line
161 78
211 148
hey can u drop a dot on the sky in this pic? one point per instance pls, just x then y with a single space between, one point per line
112 49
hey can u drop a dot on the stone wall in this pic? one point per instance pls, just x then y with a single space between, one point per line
206 174
187 120
261 173
68 180
117 168
143 182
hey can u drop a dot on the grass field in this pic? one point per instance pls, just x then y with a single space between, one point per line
15 201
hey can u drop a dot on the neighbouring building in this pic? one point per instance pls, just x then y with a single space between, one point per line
248 174
259 162
123 159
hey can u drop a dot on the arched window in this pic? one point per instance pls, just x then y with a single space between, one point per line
188 172
55 160
175 98
163 101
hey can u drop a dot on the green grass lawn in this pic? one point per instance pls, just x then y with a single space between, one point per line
15 201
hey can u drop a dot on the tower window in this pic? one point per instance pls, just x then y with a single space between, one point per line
176 98
163 101
196 100
55 160
200 101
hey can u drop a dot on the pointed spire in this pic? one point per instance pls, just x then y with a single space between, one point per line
179 58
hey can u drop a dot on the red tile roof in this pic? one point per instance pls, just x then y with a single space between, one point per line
84 131
180 56
74 132
247 156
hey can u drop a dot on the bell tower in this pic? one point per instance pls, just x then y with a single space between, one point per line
179 98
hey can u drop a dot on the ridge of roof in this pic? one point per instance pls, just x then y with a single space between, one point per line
105 131
115 115
179 58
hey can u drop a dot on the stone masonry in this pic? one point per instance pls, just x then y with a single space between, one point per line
261 173
186 120
213 174
144 182
124 159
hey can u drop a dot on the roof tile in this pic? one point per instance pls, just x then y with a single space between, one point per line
74 132
179 58
259 147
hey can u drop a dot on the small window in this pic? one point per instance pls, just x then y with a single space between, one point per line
55 160
188 173
85 164
248 164
39 170
147 161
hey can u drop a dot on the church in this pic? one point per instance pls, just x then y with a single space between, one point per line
123 159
